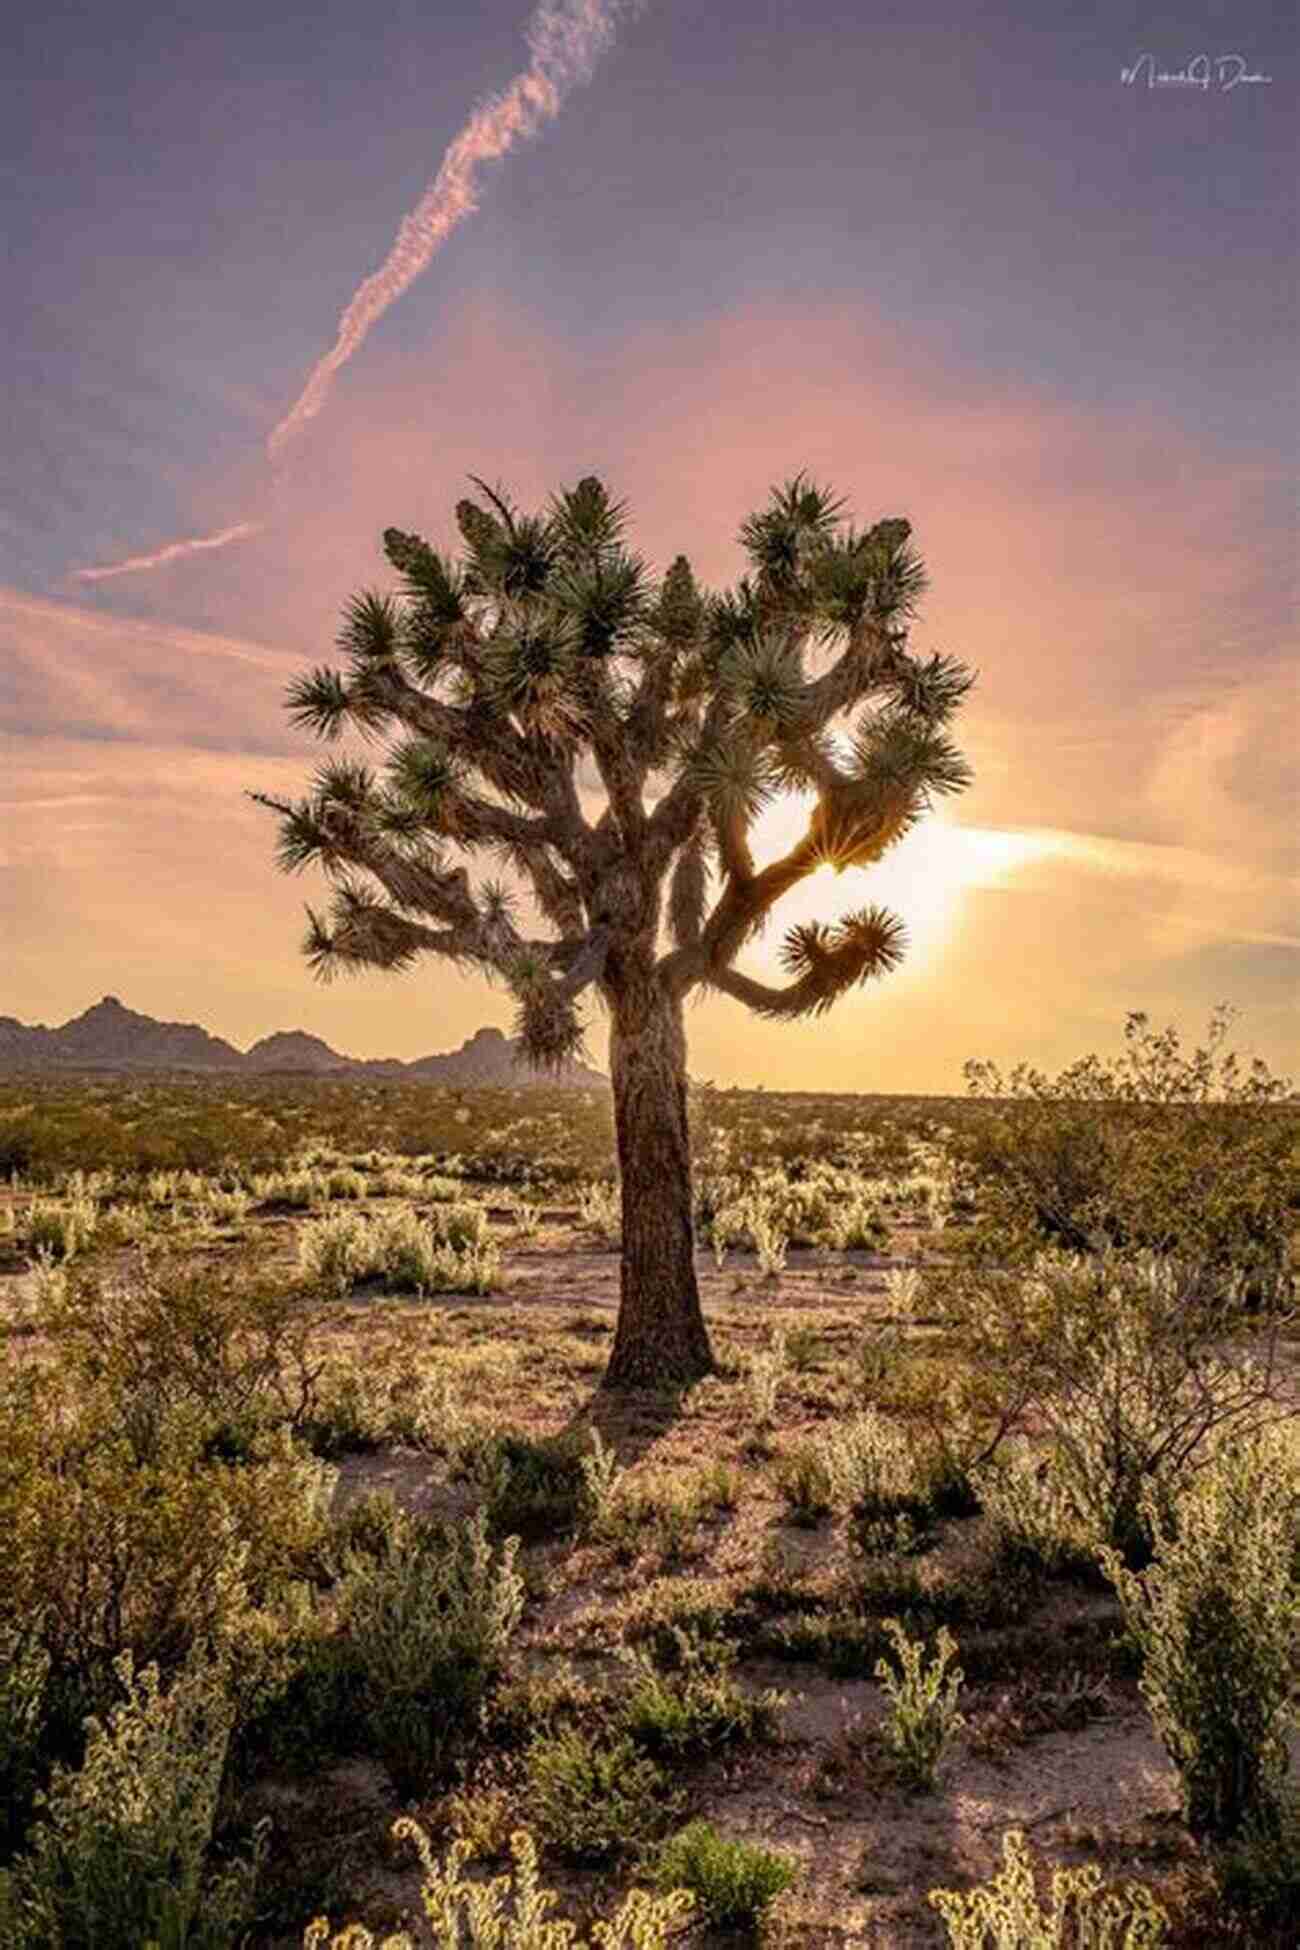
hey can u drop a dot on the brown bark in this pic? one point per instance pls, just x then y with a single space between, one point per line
661 1340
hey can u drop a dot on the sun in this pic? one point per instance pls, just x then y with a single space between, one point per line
924 878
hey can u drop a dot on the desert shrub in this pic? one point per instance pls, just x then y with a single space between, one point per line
660 1512
856 1225
923 1705
405 1252
766 1369
226 1205
460 1223
333 1250
1188 1154
1124 1362
112 1554
535 1487
24 1670
63 1228
512 1912
228 1346
879 1355
873 1468
600 1211
1257 1873
299 1190
697 1707
120 1856
804 1481
427 1623
1031 1510
600 1478
590 1802
1005 1914
803 1348
1215 1617
734 1883
345 1183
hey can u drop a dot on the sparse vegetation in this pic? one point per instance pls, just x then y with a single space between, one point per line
734 1883
222 1452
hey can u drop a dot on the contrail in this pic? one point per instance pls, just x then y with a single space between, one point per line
191 545
565 40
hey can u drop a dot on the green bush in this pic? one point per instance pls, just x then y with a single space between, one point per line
427 1623
1215 1617
226 1346
535 1487
1190 1154
697 1707
120 1856
734 1883
24 1670
405 1252
1005 1914
1257 1874
592 1802
111 1554
923 1713
512 1912
804 1481
1123 1360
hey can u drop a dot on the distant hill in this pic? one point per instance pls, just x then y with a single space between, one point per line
112 1037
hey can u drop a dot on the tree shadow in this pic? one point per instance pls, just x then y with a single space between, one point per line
629 1423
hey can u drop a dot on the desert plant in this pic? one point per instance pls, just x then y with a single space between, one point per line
512 1912
1184 1154
1257 1873
535 1487
923 1705
62 1228
1215 1617
1005 1914
549 641
734 1883
765 1371
696 1707
590 1801
600 1210
873 1468
1123 1359
600 1477
120 1855
110 1553
804 1480
229 1346
1030 1508
427 1622
24 1671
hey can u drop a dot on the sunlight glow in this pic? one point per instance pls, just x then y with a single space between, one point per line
924 878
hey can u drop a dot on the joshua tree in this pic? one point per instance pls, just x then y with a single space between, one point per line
528 695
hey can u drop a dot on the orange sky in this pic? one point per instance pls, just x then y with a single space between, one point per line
1129 842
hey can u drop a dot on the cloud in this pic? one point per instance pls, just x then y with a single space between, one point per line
1108 574
104 677
171 552
565 40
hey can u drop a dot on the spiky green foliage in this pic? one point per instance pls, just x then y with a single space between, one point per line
549 664
550 643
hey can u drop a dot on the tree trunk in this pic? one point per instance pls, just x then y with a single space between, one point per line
661 1339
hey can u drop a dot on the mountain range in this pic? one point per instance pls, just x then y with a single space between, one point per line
112 1037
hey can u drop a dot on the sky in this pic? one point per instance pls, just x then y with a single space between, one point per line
276 283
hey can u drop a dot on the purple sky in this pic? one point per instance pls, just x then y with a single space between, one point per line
960 269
